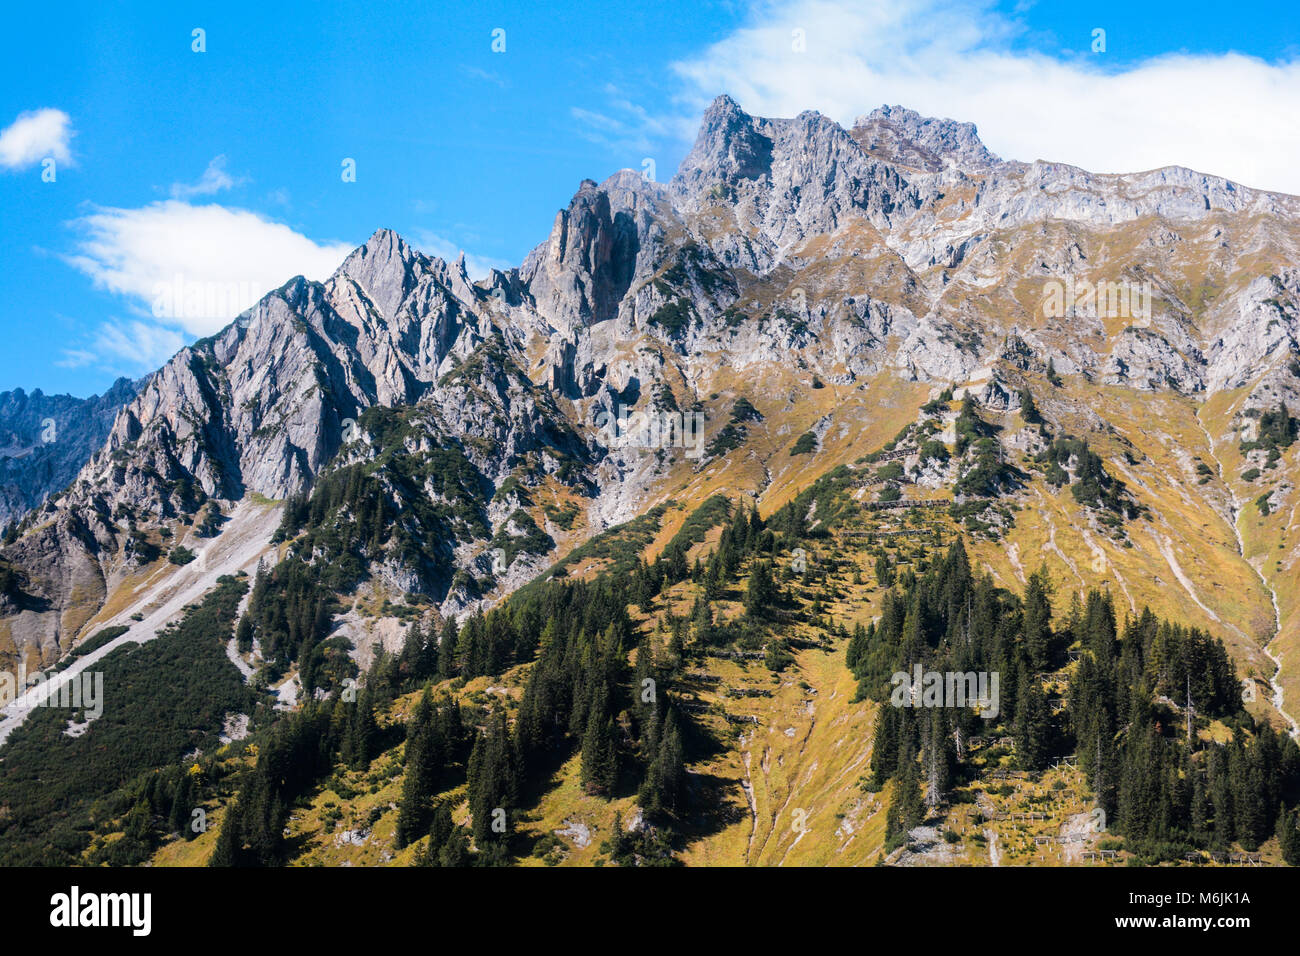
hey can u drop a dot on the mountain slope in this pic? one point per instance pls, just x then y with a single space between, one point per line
46 439
885 304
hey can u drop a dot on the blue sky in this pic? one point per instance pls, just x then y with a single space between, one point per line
222 168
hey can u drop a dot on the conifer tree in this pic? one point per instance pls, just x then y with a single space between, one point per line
425 758
761 593
1038 620
447 643
493 780
599 754
1033 724
244 635
1288 836
362 733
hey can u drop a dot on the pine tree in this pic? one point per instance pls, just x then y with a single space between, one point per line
884 749
1033 724
447 643
425 758
1220 788
362 733
412 657
244 635
938 759
1037 622
702 623
761 593
665 777
1248 795
179 819
493 780
676 649
907 806
229 850
884 570
1029 409
599 754
1288 836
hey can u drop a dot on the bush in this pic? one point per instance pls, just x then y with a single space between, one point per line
934 449
672 316
806 443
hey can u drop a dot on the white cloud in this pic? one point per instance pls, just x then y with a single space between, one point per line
34 136
1230 115
134 346
196 266
478 267
214 179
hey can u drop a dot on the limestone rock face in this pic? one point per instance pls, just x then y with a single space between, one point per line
782 251
582 272
906 138
45 439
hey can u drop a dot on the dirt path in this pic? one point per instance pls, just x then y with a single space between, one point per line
1166 548
245 668
748 786
1013 555
1099 557
1278 697
995 854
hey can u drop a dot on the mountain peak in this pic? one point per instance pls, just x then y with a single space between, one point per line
730 145
903 136
722 105
385 240
385 267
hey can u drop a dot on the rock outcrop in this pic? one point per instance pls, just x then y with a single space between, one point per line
782 251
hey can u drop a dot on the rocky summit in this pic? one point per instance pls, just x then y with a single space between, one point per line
856 343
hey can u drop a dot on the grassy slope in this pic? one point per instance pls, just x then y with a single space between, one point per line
804 758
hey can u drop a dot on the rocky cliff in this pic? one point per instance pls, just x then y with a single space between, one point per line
835 278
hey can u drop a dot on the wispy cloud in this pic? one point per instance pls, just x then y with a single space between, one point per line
486 76
625 127
1228 114
35 136
135 346
195 267
214 180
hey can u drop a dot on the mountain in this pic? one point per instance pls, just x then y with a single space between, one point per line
1095 373
47 438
